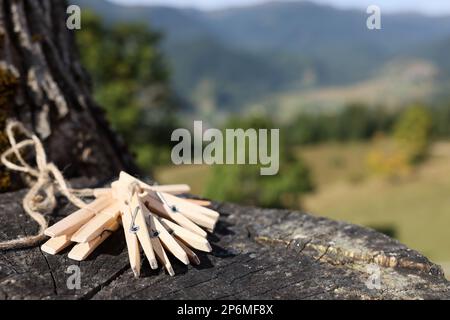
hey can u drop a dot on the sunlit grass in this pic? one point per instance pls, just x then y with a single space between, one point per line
335 162
194 175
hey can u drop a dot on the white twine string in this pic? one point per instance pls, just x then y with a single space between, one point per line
45 178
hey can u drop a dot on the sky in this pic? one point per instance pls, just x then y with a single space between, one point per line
432 7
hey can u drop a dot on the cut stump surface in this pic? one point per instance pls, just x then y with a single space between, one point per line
257 254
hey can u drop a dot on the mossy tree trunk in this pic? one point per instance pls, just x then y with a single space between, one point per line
43 84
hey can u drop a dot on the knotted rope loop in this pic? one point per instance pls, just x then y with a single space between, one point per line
46 179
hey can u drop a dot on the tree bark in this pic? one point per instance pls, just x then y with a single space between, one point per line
43 84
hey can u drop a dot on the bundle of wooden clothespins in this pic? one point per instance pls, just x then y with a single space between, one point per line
152 217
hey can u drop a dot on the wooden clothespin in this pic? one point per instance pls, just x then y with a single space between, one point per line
153 218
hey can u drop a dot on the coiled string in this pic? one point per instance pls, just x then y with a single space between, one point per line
46 179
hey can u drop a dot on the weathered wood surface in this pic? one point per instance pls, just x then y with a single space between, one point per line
254 256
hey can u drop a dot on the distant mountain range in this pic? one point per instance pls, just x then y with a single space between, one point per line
242 58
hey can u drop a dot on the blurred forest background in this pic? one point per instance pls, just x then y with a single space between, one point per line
364 115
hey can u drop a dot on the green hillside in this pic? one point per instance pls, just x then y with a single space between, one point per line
236 59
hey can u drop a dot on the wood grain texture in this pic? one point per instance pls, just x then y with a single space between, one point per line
257 253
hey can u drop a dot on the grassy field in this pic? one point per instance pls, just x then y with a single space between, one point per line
415 210
195 176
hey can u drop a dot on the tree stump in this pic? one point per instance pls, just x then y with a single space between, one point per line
257 254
